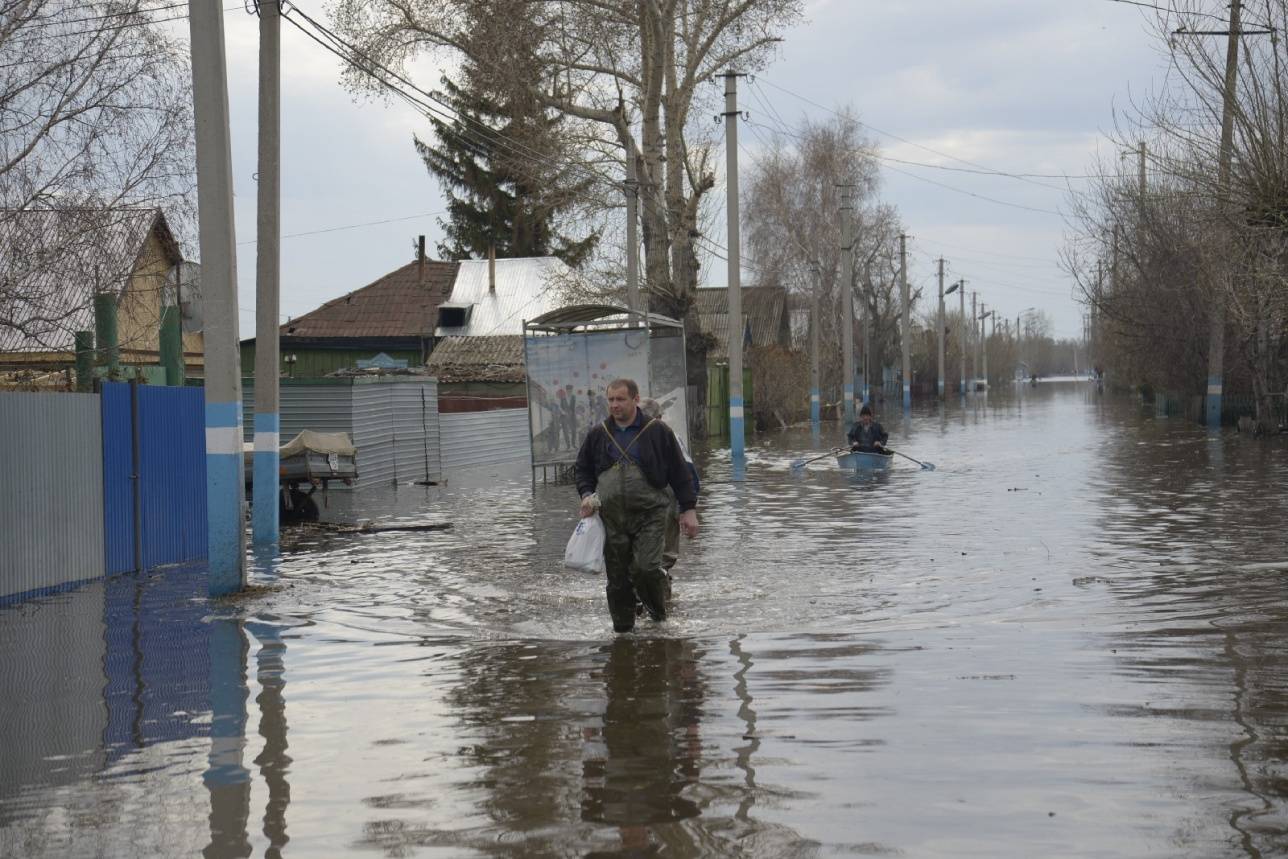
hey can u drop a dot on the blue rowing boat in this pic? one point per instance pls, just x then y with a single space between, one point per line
864 461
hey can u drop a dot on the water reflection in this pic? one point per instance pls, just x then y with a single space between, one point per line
1066 640
646 752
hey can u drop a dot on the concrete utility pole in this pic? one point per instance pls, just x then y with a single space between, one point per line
737 449
815 404
1140 169
865 317
225 493
1216 340
974 333
906 334
847 303
632 235
939 388
961 300
264 525
983 330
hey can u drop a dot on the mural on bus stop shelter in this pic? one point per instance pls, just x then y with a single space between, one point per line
568 373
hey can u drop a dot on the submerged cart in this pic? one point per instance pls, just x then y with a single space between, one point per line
309 460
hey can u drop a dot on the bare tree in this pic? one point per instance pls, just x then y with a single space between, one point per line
635 74
1153 262
793 197
95 117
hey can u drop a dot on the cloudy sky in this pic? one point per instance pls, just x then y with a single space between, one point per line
1016 86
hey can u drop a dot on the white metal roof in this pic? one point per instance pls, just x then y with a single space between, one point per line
525 289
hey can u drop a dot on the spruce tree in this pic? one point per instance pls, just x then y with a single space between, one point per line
493 162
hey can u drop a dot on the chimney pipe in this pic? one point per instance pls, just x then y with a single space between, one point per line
491 269
420 259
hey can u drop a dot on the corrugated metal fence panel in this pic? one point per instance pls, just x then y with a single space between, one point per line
479 438
416 431
118 489
373 433
172 445
322 408
51 496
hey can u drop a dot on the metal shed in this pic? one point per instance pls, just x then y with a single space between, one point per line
392 420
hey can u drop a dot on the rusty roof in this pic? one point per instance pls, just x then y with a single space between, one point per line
495 358
53 262
400 304
764 311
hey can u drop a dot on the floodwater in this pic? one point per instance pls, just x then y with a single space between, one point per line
1067 640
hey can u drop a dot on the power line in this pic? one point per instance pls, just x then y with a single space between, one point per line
351 226
894 136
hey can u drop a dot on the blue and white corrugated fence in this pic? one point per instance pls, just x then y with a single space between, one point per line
99 484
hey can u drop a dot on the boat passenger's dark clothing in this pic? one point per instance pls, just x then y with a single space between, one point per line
866 437
650 444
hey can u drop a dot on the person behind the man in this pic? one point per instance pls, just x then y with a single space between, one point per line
671 551
623 469
867 435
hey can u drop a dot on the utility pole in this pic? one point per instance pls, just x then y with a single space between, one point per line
225 491
983 330
264 527
865 372
1140 169
1216 340
939 387
632 234
847 303
815 405
737 448
961 299
906 335
974 332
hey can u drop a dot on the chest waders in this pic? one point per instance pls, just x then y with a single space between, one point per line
634 514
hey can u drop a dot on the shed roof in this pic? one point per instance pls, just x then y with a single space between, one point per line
763 309
526 287
54 261
400 304
489 358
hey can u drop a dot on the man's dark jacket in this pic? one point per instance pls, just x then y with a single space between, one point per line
865 437
657 451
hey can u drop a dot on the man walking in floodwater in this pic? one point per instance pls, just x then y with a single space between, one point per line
623 469
867 435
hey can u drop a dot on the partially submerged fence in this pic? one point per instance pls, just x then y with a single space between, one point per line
98 484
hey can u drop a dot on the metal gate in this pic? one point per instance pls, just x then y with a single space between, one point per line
154 476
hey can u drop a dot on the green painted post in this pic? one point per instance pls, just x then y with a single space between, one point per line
109 349
84 361
171 346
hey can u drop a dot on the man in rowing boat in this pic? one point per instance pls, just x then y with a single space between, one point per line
623 469
867 436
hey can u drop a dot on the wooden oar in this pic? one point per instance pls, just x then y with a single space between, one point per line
799 463
926 466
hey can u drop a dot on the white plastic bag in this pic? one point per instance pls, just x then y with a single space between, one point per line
585 551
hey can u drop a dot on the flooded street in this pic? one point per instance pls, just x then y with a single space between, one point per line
1067 640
